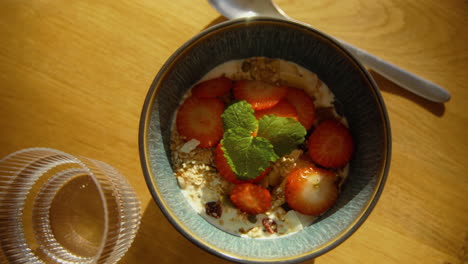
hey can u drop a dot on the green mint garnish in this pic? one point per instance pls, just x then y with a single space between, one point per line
239 115
284 133
248 156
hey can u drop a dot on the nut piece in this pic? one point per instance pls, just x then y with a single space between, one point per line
214 209
270 225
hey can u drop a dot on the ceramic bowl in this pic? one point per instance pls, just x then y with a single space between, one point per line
353 87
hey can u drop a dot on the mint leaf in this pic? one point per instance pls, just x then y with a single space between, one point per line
284 133
239 115
247 155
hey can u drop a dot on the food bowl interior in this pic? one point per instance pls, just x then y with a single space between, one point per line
348 80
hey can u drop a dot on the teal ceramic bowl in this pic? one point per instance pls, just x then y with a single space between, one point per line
353 87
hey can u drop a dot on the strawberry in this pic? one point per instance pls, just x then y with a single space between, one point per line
331 144
200 118
283 109
310 190
251 198
260 95
255 132
212 88
304 106
226 171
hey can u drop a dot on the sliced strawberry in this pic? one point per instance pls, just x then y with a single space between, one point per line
283 109
311 190
200 118
260 95
255 132
251 198
212 88
331 144
304 106
226 171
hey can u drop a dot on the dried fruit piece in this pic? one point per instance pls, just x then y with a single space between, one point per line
251 198
270 225
252 219
214 209
310 190
200 118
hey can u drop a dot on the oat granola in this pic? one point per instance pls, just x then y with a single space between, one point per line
207 191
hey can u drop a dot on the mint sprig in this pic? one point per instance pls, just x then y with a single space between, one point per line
239 115
284 133
247 155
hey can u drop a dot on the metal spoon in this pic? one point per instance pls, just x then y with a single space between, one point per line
247 8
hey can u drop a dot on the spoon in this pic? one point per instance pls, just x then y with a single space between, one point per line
249 8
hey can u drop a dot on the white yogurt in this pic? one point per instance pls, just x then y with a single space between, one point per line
201 183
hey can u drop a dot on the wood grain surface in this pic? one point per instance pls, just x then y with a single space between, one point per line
74 75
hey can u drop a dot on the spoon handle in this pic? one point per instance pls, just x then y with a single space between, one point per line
424 88
405 79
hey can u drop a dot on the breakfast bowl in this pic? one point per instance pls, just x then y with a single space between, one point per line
355 97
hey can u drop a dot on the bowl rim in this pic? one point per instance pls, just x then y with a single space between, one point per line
144 156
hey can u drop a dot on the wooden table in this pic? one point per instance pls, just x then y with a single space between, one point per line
74 75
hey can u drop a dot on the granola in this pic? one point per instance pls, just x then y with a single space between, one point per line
207 191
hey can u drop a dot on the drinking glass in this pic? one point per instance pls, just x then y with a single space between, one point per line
58 208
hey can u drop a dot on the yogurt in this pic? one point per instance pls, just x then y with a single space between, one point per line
208 193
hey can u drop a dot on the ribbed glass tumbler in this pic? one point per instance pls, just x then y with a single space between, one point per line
57 208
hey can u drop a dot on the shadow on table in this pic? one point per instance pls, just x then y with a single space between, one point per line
387 86
157 241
